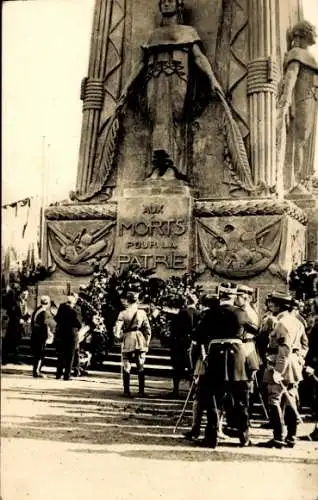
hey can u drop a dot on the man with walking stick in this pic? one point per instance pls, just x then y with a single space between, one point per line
285 360
199 345
228 368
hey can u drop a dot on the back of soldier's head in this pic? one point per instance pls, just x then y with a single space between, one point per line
132 297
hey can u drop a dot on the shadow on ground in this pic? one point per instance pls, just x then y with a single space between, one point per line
225 452
90 415
101 416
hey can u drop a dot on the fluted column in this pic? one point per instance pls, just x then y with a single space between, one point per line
262 78
101 87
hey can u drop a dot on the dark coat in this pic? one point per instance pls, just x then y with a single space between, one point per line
16 312
182 327
68 322
41 322
227 359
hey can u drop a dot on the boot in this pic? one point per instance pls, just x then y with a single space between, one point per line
277 426
141 380
314 434
197 413
244 439
291 423
175 391
36 369
126 380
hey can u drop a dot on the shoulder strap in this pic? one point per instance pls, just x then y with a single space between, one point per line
127 328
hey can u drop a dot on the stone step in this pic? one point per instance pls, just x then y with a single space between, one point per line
157 362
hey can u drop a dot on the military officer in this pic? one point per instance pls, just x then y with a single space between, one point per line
132 328
285 359
229 369
243 300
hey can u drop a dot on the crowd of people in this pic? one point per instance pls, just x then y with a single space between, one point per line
218 342
234 354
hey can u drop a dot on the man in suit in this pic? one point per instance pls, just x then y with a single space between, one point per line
229 368
182 328
68 322
199 346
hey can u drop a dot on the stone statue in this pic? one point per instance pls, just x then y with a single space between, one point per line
172 56
173 83
169 56
298 97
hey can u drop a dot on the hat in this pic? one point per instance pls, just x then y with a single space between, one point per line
45 300
242 289
227 289
280 298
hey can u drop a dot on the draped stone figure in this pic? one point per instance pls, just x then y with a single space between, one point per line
297 103
170 86
166 75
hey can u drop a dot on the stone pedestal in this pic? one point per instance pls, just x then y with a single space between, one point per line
154 228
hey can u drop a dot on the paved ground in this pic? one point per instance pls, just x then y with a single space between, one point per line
81 440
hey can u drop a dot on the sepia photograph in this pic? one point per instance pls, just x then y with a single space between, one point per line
159 250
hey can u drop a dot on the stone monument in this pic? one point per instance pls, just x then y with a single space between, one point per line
195 139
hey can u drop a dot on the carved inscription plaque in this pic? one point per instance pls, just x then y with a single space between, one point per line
154 232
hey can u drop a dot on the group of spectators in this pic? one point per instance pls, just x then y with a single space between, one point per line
61 327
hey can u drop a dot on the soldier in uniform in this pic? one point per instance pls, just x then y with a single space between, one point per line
244 302
132 328
229 368
285 359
